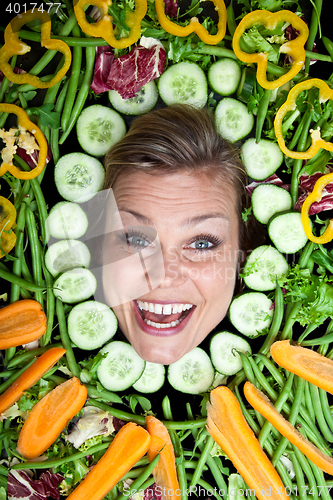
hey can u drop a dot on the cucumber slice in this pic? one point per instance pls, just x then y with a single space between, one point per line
184 83
91 324
224 76
268 200
233 119
98 128
66 254
193 373
152 378
66 220
143 102
121 368
250 313
224 347
78 177
264 265
261 159
75 285
287 233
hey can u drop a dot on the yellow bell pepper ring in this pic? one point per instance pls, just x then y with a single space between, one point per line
104 28
23 121
194 26
325 93
293 48
14 46
7 221
316 195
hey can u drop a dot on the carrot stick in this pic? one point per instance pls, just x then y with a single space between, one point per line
30 376
228 427
21 322
264 406
307 364
129 445
49 416
165 472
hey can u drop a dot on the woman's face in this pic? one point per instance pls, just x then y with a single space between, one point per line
197 229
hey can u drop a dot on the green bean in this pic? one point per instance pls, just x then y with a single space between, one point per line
5 81
292 419
72 364
308 472
82 93
249 419
50 306
328 46
308 401
289 323
283 396
247 368
320 480
274 371
54 138
51 92
9 354
35 252
217 474
48 464
21 282
4 386
181 473
262 112
15 289
231 22
41 203
71 41
141 479
319 413
314 23
73 81
93 392
326 408
7 373
204 484
298 474
22 195
276 322
31 354
166 407
202 460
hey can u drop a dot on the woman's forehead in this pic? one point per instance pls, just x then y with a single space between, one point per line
177 193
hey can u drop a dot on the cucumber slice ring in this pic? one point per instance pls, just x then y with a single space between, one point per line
193 373
75 285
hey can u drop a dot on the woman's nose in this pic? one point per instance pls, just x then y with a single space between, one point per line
174 269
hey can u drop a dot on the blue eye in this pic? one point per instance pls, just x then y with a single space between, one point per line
138 241
201 244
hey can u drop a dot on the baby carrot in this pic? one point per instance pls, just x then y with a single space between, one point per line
228 427
307 364
262 404
49 416
129 445
165 472
30 376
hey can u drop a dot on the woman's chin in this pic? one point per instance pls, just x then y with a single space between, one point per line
161 356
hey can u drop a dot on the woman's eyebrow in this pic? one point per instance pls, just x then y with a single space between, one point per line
194 221
138 216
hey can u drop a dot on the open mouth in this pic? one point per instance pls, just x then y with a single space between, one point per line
163 315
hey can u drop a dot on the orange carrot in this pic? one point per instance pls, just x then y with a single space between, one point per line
49 417
228 427
30 377
307 364
129 445
165 473
21 322
264 406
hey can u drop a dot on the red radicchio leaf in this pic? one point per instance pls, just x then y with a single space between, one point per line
273 179
22 487
32 159
101 72
117 423
152 493
171 7
306 185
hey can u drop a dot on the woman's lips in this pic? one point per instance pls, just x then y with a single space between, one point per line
162 332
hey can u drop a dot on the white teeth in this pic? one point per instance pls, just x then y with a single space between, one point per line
163 308
162 325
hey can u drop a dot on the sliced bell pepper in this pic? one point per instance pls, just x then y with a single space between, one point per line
325 93
14 46
23 121
316 196
194 26
293 48
104 28
7 221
